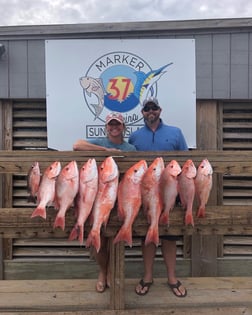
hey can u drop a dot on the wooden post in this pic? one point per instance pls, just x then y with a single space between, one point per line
117 275
204 247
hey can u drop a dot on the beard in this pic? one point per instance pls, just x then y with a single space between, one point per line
151 119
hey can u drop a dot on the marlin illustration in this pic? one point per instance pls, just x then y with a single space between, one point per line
145 82
94 86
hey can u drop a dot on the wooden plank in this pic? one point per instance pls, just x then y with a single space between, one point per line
1 259
219 220
117 275
79 295
171 311
17 222
204 255
223 162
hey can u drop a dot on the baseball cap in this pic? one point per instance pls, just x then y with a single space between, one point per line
115 116
150 100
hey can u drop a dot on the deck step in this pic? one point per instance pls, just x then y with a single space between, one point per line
218 295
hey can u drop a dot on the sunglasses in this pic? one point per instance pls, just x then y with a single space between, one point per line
148 108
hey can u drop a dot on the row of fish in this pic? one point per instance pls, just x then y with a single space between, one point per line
93 191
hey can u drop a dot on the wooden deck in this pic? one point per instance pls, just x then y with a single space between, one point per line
206 295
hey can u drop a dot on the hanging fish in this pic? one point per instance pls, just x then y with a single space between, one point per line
88 186
203 186
169 189
151 198
46 191
33 181
129 200
108 176
186 189
66 188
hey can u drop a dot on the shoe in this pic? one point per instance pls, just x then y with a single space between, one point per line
144 285
177 286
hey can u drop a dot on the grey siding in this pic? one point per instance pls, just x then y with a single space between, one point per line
204 66
36 69
223 53
221 66
18 72
239 66
4 75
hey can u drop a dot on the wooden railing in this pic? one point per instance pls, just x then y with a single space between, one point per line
220 219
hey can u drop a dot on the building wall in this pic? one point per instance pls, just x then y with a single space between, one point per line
223 53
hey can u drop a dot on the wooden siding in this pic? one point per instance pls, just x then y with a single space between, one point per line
29 131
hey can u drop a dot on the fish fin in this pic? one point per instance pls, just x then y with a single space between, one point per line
189 218
124 234
94 239
39 212
59 222
164 218
201 212
74 233
152 236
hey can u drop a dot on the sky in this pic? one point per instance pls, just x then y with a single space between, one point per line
44 12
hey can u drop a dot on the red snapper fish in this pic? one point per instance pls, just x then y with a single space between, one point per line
169 189
129 200
203 186
151 199
88 186
108 176
46 191
33 181
186 189
66 188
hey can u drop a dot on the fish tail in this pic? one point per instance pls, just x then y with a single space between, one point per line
39 212
152 236
74 233
94 239
59 222
201 212
124 234
189 218
164 218
98 109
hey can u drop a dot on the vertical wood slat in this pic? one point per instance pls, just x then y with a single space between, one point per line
117 275
204 247
7 178
204 255
1 259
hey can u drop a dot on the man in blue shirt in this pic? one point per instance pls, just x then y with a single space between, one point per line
157 136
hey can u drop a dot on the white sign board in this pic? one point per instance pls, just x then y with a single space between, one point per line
88 78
